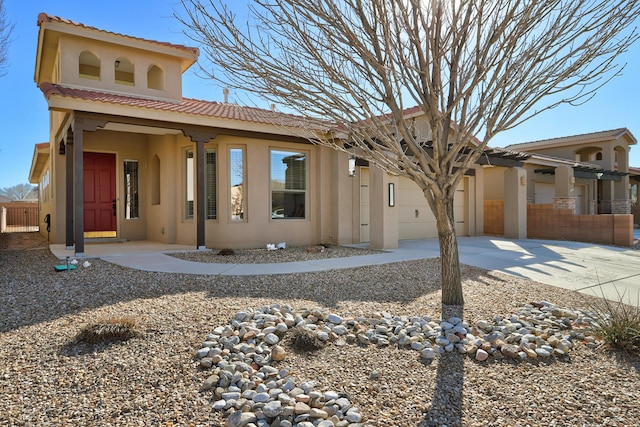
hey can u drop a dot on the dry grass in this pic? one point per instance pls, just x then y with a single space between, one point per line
108 330
303 341
618 323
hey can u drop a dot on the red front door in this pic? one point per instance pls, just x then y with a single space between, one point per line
100 193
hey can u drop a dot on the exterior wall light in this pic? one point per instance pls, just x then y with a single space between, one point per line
352 166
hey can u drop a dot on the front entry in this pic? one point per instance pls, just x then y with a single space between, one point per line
99 194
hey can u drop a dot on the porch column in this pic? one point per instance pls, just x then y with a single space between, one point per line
608 196
475 201
342 205
515 203
565 196
68 152
200 137
80 125
383 220
78 189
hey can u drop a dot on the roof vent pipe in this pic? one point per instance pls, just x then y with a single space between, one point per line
225 91
273 107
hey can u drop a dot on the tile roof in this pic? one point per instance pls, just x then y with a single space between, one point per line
44 17
212 109
573 139
563 161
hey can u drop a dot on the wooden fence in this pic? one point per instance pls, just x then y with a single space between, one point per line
21 218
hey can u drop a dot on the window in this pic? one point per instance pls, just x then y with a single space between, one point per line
211 207
155 78
236 179
155 180
124 72
89 66
288 184
189 190
210 185
131 189
43 188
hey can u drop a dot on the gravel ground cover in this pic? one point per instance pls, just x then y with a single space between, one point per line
263 256
47 378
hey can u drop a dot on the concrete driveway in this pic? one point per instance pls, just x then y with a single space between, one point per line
593 269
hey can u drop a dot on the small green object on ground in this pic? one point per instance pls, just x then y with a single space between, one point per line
64 267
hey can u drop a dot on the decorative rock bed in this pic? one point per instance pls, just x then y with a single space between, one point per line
252 392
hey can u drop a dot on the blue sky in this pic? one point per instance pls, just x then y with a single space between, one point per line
24 117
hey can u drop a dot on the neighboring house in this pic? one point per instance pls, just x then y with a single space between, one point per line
583 176
129 158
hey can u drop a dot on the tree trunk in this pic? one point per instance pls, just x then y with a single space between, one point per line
449 259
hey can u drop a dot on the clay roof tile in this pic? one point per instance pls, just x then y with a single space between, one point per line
188 106
44 17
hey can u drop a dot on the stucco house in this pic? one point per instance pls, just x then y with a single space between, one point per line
577 187
129 158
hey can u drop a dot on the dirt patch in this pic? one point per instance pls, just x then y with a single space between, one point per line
22 241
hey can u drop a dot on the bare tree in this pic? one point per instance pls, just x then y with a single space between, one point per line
473 67
6 29
20 192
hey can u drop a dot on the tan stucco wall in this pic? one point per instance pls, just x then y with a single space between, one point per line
70 49
493 182
383 221
167 221
515 203
125 146
58 180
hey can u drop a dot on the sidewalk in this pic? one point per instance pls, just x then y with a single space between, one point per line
592 269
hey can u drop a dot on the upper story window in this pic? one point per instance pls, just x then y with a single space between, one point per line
89 65
124 71
155 78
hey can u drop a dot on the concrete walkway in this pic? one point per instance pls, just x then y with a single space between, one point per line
592 269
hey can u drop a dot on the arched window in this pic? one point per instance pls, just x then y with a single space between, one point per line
89 65
155 78
599 155
124 71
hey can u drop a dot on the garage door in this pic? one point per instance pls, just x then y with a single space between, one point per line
580 191
416 221
544 193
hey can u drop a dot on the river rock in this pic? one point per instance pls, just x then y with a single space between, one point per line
481 355
278 353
